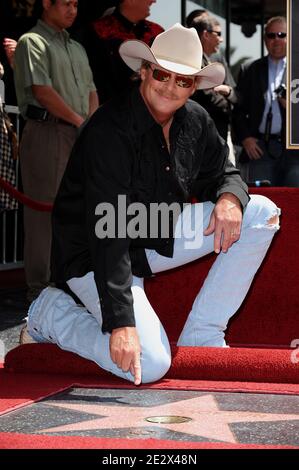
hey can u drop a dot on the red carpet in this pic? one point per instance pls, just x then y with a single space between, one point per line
230 364
40 371
23 441
21 389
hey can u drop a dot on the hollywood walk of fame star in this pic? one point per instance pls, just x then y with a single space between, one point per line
207 420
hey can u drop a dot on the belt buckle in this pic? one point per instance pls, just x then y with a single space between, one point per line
44 116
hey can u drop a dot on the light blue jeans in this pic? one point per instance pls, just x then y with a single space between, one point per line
55 317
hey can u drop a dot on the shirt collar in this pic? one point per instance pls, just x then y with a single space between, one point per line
206 60
51 32
282 62
127 23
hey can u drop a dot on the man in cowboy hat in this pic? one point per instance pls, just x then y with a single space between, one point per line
152 146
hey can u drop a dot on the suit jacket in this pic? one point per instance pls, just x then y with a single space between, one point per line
252 89
218 106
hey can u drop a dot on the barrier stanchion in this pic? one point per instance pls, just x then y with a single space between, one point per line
25 200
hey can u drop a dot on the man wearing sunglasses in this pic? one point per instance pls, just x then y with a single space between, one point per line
260 118
152 146
219 100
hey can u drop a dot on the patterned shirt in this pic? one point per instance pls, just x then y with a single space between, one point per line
111 75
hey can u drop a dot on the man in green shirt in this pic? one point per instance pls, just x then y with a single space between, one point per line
56 94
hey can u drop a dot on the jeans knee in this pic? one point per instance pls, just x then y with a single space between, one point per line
263 213
155 367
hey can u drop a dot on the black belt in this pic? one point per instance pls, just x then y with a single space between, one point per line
42 115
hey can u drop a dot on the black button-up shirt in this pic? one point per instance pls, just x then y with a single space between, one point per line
122 151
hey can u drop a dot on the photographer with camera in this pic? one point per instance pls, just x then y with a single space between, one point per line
259 118
281 94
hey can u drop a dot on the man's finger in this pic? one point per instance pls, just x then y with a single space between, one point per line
259 150
227 242
217 240
211 227
208 231
126 362
137 371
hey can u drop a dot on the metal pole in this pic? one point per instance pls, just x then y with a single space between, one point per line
183 12
227 25
4 239
17 212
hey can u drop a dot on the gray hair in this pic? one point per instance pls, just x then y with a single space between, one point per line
275 19
204 24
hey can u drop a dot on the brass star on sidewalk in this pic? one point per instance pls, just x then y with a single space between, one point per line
208 421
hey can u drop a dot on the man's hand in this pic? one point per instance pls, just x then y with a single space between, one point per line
125 351
283 102
10 47
224 90
48 98
252 148
225 222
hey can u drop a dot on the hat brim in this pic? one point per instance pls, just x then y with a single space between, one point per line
134 52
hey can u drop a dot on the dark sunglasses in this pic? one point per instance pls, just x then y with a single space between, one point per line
219 33
279 35
164 76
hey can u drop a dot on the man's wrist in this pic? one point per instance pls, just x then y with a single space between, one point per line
230 197
78 121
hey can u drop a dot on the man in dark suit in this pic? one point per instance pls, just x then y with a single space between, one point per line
260 117
219 100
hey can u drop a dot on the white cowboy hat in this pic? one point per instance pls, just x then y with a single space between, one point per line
178 50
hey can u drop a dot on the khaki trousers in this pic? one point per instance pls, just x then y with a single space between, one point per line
44 152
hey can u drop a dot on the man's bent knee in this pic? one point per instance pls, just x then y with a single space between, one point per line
263 213
154 369
273 221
